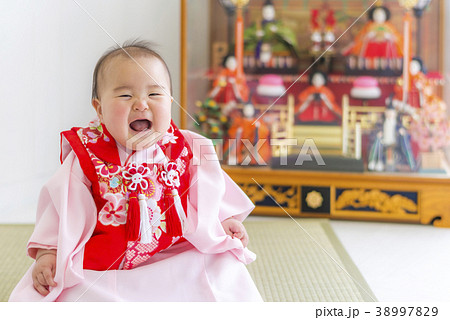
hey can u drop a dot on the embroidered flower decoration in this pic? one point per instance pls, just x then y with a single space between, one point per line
105 169
103 188
169 137
96 131
170 175
137 177
92 137
114 212
84 139
114 182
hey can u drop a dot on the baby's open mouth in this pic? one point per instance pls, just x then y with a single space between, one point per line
141 125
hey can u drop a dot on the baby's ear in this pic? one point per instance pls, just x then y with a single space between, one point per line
98 108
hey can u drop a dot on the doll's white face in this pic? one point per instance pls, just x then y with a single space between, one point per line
248 110
266 53
379 16
268 13
318 80
414 67
134 100
231 63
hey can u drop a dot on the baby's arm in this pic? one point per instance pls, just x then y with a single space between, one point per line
235 229
44 271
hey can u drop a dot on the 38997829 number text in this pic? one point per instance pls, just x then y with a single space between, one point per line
406 311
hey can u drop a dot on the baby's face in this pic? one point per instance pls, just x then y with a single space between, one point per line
134 104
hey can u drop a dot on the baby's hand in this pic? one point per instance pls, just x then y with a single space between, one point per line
235 229
44 271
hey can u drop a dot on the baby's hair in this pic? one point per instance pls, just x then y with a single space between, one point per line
133 48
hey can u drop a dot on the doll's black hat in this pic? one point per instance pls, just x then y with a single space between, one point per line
389 102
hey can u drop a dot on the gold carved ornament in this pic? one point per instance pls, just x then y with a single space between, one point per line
376 199
279 195
240 3
408 4
314 199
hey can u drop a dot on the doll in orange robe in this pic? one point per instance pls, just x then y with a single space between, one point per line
378 45
228 86
418 82
317 103
248 139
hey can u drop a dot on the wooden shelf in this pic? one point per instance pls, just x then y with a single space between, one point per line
395 197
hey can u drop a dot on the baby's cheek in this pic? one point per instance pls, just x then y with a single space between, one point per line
162 121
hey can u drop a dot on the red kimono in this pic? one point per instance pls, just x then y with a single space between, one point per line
208 266
415 96
317 105
228 87
386 42
137 213
248 143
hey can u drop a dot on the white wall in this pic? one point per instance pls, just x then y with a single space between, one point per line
198 51
48 50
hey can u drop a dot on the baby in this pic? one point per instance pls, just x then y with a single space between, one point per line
136 200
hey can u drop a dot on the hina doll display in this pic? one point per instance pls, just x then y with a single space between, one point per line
377 47
365 88
329 36
248 139
418 83
271 85
272 44
317 103
430 129
391 149
210 121
322 43
316 33
228 87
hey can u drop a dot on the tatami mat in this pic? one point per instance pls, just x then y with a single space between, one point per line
13 241
297 261
303 260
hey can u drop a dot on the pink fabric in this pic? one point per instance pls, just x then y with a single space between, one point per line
365 82
271 80
209 267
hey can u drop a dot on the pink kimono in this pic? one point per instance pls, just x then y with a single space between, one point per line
209 266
